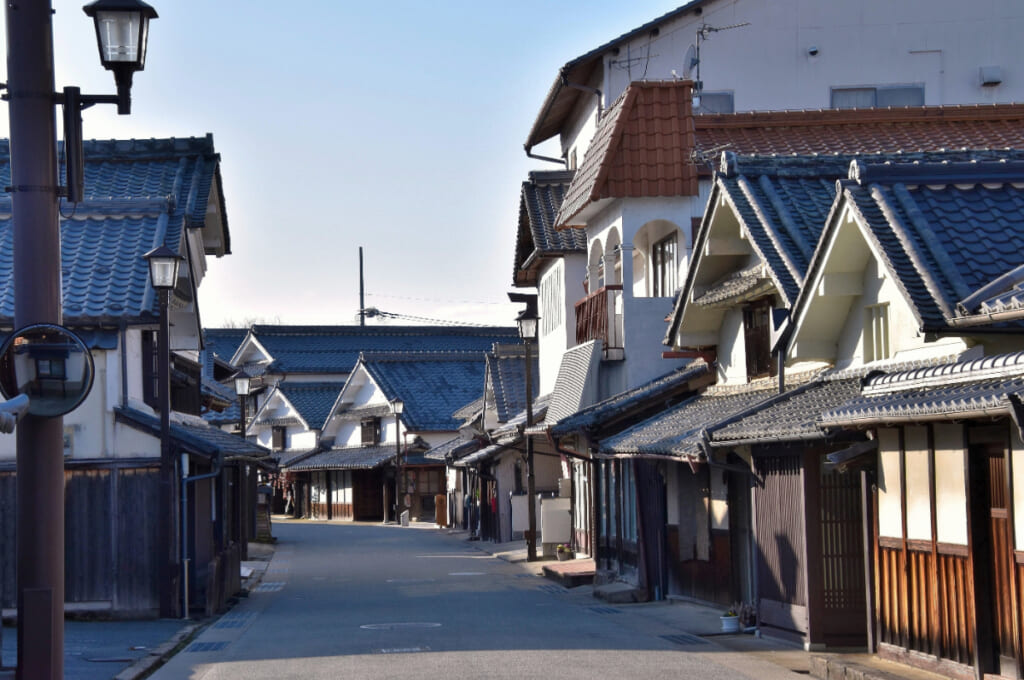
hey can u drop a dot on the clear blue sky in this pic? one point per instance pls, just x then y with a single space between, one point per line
395 126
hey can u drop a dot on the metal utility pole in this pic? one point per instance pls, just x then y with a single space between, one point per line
362 298
37 299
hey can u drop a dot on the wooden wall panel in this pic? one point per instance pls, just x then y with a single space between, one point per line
922 602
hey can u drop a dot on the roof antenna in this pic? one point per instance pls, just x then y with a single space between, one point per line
692 58
362 300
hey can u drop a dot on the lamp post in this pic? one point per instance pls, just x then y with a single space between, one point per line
397 406
163 273
37 299
527 322
243 388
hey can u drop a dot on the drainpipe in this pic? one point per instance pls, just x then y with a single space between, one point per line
549 159
583 88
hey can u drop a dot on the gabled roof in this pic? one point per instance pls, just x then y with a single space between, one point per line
979 388
335 349
537 239
312 400
222 343
943 230
660 393
641 149
506 380
681 431
562 97
348 458
649 144
139 194
433 385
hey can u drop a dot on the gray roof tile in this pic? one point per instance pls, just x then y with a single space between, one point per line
349 458
661 390
679 431
312 400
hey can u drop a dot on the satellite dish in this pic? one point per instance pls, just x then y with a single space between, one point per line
690 61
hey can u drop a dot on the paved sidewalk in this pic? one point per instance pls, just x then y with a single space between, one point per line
696 620
125 650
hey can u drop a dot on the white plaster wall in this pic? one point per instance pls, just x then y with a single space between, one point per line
732 353
906 342
719 501
938 43
300 438
890 510
919 492
1017 453
566 275
950 484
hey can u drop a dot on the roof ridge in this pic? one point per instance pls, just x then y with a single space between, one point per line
983 368
832 117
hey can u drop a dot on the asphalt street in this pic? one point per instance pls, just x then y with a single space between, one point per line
371 601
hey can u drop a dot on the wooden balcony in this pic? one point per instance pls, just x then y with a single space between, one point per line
599 317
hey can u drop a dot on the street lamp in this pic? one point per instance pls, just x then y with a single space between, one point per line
35 215
397 406
163 273
122 31
243 388
527 322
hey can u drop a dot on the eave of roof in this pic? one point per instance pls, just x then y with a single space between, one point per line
561 97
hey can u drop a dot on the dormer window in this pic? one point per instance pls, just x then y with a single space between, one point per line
277 438
663 267
370 431
757 338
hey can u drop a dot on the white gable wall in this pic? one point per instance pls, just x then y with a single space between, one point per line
560 287
767 65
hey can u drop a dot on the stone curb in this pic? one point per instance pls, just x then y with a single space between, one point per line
161 654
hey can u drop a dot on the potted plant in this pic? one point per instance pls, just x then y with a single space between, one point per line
563 552
730 621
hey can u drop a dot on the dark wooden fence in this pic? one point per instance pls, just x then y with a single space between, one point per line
110 551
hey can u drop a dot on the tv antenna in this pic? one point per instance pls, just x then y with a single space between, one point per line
692 59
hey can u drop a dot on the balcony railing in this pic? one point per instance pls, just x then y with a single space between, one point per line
599 317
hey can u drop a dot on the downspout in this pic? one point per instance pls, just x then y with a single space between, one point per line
124 364
583 88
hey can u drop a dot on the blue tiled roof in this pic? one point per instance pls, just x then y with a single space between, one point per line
679 431
222 343
139 194
784 202
312 400
540 199
944 230
200 439
349 458
507 377
433 385
335 349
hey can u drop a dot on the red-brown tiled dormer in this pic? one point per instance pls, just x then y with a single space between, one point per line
641 149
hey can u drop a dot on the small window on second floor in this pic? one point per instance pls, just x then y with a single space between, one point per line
876 332
663 267
757 338
715 102
370 431
877 97
277 438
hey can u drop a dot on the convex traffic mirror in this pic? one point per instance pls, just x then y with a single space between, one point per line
50 365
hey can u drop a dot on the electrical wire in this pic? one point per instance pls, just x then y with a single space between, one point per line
371 312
